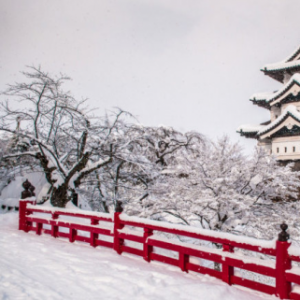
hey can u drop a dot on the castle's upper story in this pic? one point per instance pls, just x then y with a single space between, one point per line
281 134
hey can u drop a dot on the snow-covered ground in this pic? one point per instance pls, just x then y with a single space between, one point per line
41 267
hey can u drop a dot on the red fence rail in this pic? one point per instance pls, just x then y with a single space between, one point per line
92 227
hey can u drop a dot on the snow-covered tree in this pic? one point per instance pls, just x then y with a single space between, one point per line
133 175
217 187
59 132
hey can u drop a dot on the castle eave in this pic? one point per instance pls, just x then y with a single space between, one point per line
278 71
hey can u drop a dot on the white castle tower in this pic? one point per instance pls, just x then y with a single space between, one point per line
281 135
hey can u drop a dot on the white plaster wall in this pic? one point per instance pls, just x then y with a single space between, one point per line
297 104
266 146
288 143
286 78
275 111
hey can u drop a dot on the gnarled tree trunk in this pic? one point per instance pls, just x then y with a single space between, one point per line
59 196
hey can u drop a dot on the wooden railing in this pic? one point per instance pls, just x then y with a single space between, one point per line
123 231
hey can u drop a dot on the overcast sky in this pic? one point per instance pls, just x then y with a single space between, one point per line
190 64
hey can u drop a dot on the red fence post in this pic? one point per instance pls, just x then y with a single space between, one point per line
183 260
22 214
118 243
94 236
227 271
283 263
72 235
54 228
39 227
147 249
23 224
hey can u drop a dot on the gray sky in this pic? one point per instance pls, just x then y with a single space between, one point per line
190 64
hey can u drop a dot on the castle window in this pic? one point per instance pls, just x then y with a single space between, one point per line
277 150
294 149
285 149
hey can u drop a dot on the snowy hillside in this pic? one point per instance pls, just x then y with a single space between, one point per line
41 267
12 192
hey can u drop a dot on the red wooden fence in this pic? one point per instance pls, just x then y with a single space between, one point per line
144 232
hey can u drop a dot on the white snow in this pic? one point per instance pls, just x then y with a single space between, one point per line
255 181
294 250
294 270
11 194
132 232
70 208
250 128
87 168
261 96
12 202
41 267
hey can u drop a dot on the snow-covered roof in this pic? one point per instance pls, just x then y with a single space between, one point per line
290 64
281 66
291 110
255 131
249 131
291 61
258 130
294 79
261 96
261 99
266 99
250 128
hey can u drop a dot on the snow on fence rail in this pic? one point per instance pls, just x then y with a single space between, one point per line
123 227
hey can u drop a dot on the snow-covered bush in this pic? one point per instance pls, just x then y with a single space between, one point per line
132 176
215 186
